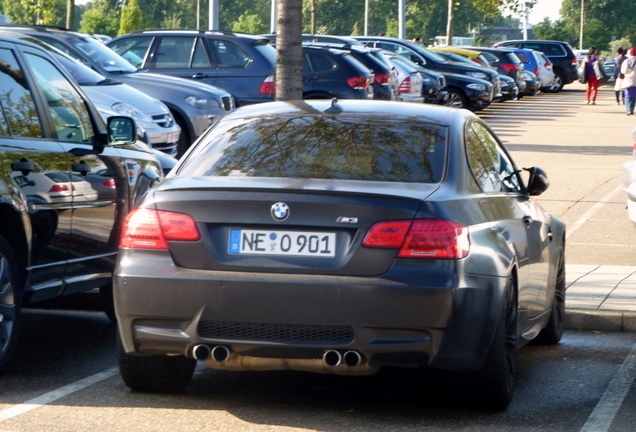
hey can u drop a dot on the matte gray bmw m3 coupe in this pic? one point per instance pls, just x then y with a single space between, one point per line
341 237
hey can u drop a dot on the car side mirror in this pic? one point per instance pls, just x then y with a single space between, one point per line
537 182
121 130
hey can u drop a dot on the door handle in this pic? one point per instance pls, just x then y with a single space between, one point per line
25 166
200 76
82 167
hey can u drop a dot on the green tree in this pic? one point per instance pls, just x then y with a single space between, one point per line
558 30
252 24
40 12
100 19
131 18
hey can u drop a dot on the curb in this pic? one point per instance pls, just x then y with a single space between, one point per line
596 320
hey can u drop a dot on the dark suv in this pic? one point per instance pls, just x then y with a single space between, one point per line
560 54
243 65
60 231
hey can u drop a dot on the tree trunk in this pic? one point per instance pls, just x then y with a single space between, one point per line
289 62
449 23
70 11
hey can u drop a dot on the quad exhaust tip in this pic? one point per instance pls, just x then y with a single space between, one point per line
203 353
332 358
352 358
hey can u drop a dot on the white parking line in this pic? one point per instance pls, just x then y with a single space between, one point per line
592 211
54 395
603 415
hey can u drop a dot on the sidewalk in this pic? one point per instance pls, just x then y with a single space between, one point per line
600 298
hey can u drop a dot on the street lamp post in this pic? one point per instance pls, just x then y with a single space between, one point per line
581 29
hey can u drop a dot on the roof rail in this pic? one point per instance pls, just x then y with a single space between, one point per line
35 27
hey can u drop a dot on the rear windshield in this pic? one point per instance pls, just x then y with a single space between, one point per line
322 147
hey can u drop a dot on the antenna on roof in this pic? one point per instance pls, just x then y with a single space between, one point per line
334 107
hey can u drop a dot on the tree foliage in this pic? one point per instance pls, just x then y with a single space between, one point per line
131 18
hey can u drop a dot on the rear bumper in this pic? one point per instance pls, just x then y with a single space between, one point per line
411 316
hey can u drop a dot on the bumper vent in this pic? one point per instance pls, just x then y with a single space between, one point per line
286 333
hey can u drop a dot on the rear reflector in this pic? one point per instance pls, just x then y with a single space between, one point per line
152 229
423 238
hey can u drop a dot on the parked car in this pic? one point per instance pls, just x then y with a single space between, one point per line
329 73
409 80
547 78
428 59
156 126
456 57
385 85
532 83
565 62
419 246
474 56
194 106
57 237
509 89
506 62
434 88
243 65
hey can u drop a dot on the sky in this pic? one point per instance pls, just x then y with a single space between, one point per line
545 8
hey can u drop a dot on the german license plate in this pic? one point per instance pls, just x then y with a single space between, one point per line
298 243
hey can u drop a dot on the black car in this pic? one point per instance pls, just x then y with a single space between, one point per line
532 84
341 237
428 59
243 65
59 236
509 89
561 55
384 84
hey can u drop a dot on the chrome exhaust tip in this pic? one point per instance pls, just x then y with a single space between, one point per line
352 358
220 353
332 358
201 352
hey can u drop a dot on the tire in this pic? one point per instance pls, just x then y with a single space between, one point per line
553 331
163 374
184 138
495 381
10 309
557 86
456 99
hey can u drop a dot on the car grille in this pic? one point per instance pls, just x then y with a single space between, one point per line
163 120
287 333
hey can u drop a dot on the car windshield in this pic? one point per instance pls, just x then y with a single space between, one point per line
376 148
103 56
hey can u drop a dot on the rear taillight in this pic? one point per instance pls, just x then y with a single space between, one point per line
109 183
548 66
358 82
383 78
510 67
59 188
268 86
405 87
152 229
422 238
536 70
575 61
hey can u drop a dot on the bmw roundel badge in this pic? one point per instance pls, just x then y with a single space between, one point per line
280 211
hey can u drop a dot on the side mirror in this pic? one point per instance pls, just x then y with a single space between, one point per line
121 130
537 182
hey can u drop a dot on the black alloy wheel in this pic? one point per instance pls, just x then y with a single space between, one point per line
456 99
10 311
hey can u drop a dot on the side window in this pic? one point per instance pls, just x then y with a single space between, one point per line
200 57
555 50
133 49
490 164
18 115
68 110
492 59
228 54
174 52
320 63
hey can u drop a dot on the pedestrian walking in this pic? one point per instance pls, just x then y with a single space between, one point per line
628 69
618 76
593 75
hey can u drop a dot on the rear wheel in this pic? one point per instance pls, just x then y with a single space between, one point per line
155 373
553 331
10 310
495 382
456 99
557 85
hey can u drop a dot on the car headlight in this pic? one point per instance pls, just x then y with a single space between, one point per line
202 103
127 110
479 75
478 87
